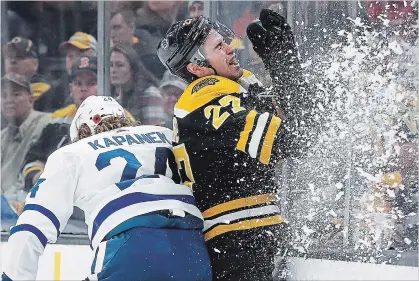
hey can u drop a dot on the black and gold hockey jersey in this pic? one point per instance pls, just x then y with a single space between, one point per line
226 151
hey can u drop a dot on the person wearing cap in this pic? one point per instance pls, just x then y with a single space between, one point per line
196 8
80 44
171 88
21 57
55 135
24 128
123 28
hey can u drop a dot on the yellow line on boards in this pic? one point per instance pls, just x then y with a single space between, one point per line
57 266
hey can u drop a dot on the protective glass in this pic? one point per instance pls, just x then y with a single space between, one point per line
227 34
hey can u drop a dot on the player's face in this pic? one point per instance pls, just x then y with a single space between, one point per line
120 69
221 56
16 103
84 85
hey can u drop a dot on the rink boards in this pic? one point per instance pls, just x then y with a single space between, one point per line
72 262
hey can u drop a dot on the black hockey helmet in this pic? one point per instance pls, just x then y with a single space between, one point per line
183 44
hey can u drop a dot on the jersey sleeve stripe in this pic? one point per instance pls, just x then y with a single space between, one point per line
238 203
257 135
30 228
32 169
265 154
244 135
50 215
243 225
240 215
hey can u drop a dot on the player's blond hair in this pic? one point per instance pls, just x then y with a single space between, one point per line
107 124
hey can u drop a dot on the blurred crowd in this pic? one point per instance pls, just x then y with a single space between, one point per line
49 66
37 109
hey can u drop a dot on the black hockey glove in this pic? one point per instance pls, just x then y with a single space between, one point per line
273 41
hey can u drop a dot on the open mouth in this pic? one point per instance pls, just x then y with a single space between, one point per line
234 62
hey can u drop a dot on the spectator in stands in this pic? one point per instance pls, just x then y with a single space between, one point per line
124 5
78 45
24 128
123 28
55 134
21 57
405 203
196 8
171 88
152 22
390 207
132 90
16 25
158 15
397 18
122 33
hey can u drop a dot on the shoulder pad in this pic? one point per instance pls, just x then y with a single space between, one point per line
203 90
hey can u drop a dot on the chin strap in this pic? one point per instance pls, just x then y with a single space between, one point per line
200 59
206 64
215 71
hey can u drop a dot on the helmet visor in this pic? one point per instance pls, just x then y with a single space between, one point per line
192 33
224 31
216 27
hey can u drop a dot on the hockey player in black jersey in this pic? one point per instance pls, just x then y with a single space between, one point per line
229 138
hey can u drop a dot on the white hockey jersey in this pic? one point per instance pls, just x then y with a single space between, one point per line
114 177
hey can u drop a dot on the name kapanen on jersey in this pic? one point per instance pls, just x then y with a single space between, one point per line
153 137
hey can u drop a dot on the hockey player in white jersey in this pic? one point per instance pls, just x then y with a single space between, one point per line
142 224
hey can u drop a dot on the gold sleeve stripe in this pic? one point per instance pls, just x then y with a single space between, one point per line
31 169
239 203
265 154
243 225
244 135
189 184
39 88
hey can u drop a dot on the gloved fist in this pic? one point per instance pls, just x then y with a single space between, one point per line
272 37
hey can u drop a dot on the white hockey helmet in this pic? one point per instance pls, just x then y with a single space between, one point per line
92 111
